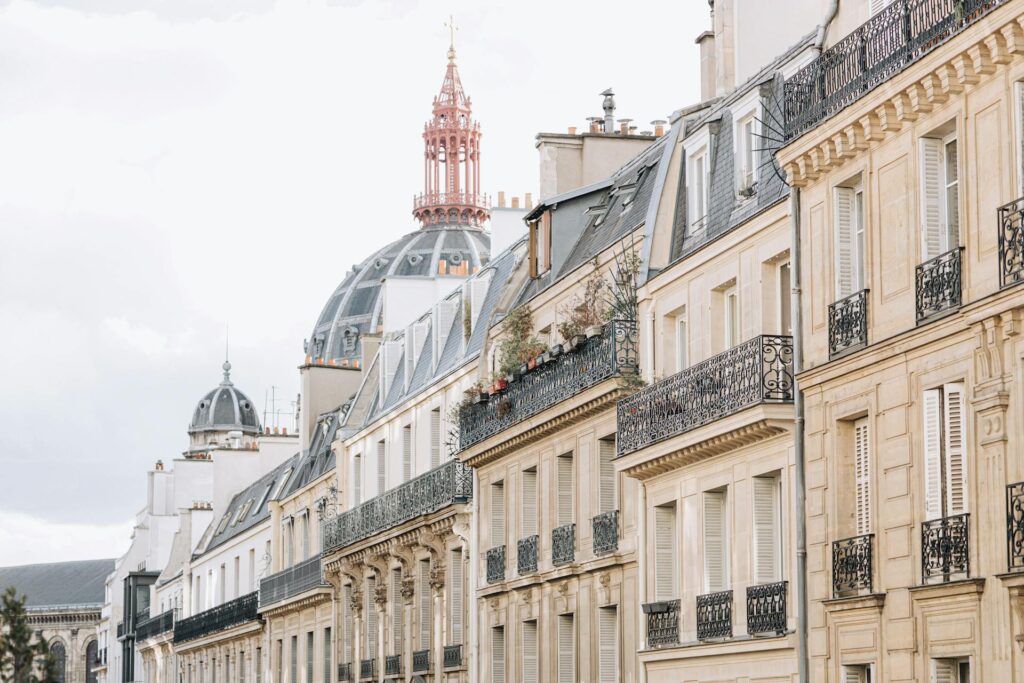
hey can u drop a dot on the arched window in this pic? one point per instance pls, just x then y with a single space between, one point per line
92 651
59 660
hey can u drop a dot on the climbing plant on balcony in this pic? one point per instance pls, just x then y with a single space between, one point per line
518 343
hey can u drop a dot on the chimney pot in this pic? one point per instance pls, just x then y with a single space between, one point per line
659 127
572 130
501 199
515 202
529 201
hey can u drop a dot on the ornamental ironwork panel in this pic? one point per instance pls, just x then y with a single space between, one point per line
662 623
714 615
563 544
448 484
452 656
232 613
852 566
393 665
367 669
1015 526
420 661
848 323
766 608
611 353
760 370
874 52
938 285
945 549
605 528
304 576
161 623
345 672
496 564
1011 243
526 555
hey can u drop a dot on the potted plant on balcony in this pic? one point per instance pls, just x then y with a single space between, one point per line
518 347
621 301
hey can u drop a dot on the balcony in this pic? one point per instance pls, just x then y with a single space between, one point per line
452 656
1011 243
757 371
345 672
367 669
852 566
605 528
233 613
393 665
154 626
448 484
297 579
420 661
848 324
876 51
662 623
945 549
1015 527
611 353
526 555
563 544
714 616
766 608
938 285
496 564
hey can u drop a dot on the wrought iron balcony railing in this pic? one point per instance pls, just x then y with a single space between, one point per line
609 354
496 564
945 549
757 371
232 613
605 528
345 672
766 608
367 669
852 566
938 285
563 544
154 626
393 665
662 623
885 45
848 324
304 576
714 615
526 555
447 484
452 656
1015 526
420 661
1011 243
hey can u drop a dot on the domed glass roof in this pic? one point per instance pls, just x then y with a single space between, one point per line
225 409
354 308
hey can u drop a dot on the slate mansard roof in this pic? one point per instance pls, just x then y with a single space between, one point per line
59 584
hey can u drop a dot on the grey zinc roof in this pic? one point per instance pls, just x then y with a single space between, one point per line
59 584
224 408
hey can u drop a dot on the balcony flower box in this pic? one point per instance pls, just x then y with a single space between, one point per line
595 331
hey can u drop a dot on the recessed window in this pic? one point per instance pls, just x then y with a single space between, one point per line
284 482
698 189
940 196
746 146
850 242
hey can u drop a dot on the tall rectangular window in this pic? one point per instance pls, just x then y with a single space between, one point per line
237 584
565 489
606 473
309 657
381 467
258 664
406 452
280 660
357 480
746 152
665 552
785 298
498 654
305 534
252 569
862 475
608 635
294 654
566 648
530 672
849 240
940 191
435 438
397 627
767 529
222 580
529 504
497 514
682 341
328 649
425 618
698 185
716 552
732 317
945 457
370 609
347 624
290 528
455 591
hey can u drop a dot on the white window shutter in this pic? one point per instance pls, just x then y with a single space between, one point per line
932 192
606 453
371 618
608 657
357 480
844 198
854 674
566 649
862 475
406 453
455 595
944 671
425 601
956 456
529 503
381 468
664 552
529 652
565 492
397 612
714 542
498 654
932 438
497 514
435 438
346 620
767 539
877 6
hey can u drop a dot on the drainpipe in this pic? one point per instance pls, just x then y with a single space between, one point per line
803 661
819 37
641 555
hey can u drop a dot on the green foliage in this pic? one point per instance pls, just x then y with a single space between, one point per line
621 297
22 660
518 343
467 319
586 311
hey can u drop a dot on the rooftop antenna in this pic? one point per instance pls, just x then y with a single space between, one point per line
227 363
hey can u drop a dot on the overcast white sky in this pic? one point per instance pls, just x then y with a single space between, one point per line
169 167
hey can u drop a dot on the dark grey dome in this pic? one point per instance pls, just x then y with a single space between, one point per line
354 309
225 409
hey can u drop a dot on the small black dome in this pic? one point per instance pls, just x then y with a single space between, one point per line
225 409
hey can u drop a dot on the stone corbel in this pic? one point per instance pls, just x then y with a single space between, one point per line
437 580
1013 38
981 60
905 113
1017 608
888 122
408 589
380 596
933 89
948 80
918 98
996 46
855 139
965 73
461 526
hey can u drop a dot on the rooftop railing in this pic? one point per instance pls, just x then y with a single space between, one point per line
304 576
233 613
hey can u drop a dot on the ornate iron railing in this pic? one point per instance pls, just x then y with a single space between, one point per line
609 354
345 671
605 528
938 285
714 615
945 549
237 611
154 626
452 656
1011 243
526 555
422 201
1015 526
662 623
766 608
393 665
420 661
563 544
496 564
877 50
852 565
759 370
447 484
848 323
304 576
367 669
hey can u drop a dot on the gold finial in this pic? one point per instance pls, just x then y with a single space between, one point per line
452 28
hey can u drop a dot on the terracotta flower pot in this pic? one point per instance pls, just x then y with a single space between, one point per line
532 363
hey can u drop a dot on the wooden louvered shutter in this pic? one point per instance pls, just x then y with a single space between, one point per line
397 612
381 468
328 676
497 514
932 438
309 657
425 601
529 652
529 504
455 594
854 674
565 489
767 538
371 618
435 438
357 480
956 456
664 552
608 656
406 453
862 474
566 649
932 197
844 198
498 654
346 624
876 6
714 542
944 671
606 454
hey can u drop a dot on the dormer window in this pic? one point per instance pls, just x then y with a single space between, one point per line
540 245
698 190
284 482
746 155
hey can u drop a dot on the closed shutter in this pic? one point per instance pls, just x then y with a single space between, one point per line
855 674
456 589
877 6
714 542
357 480
258 664
951 177
956 462
932 438
425 626
862 474
529 502
844 198
381 472
346 624
397 612
565 492
529 652
327 655
498 654
406 453
309 657
767 539
932 191
608 657
664 552
435 438
566 649
498 514
944 671
606 453
294 671
371 619
241 668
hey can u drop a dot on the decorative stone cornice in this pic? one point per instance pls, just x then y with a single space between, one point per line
287 607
